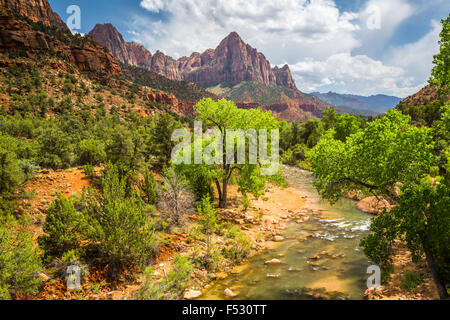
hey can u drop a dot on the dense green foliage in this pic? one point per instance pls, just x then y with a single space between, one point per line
440 75
388 151
62 228
19 263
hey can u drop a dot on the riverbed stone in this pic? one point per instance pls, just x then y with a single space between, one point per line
278 239
229 293
273 261
192 294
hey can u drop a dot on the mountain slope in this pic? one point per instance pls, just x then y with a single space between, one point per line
376 103
37 11
426 95
21 35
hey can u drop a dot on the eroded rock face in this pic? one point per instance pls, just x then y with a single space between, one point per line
36 10
233 62
130 53
20 36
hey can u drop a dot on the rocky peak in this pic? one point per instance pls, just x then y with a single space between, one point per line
284 77
37 11
130 53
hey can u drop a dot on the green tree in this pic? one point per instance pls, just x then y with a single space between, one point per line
224 116
440 75
422 219
148 188
160 140
208 222
388 151
11 176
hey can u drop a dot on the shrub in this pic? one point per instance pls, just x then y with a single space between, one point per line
91 152
209 225
11 176
119 223
412 280
175 198
239 246
170 288
62 228
147 188
55 149
19 263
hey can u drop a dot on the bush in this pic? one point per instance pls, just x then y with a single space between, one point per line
62 228
19 263
119 223
170 288
209 225
91 152
175 198
412 280
11 176
147 188
55 149
239 246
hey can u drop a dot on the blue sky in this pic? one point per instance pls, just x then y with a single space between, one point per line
360 46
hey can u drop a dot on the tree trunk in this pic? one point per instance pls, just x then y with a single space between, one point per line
442 290
219 192
223 201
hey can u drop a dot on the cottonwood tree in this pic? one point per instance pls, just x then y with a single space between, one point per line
223 116
390 151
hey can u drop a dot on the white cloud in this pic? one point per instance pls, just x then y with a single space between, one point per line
304 27
314 37
417 58
352 74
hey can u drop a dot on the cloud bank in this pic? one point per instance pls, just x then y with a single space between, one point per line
315 37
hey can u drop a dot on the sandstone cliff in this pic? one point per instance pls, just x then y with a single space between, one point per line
126 52
37 11
19 36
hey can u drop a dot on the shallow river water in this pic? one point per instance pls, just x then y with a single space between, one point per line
340 273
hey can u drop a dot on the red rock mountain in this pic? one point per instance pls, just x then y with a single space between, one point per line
426 95
126 52
231 63
20 36
36 10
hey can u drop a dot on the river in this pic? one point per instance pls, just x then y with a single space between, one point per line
324 261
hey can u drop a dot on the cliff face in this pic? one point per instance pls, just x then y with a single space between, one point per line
36 10
17 35
231 63
126 52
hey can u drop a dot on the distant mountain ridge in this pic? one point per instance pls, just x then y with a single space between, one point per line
377 103
232 62
233 70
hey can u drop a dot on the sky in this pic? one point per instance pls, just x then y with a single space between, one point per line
360 47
